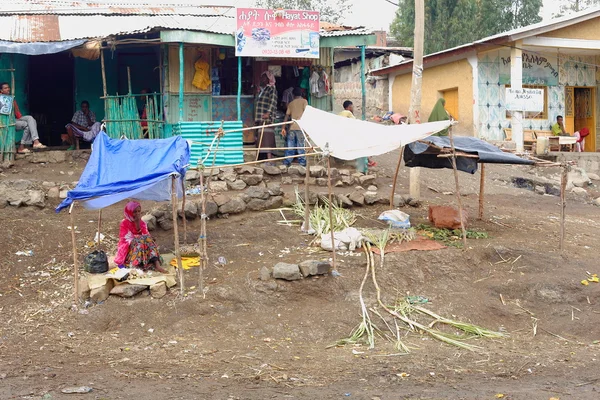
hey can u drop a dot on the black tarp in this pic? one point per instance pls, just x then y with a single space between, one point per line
425 154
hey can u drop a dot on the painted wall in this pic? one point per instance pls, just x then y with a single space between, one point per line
585 30
458 74
572 71
20 65
88 85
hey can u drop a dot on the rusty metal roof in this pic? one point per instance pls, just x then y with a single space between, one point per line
109 7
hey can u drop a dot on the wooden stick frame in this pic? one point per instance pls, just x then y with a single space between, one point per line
458 197
176 234
75 264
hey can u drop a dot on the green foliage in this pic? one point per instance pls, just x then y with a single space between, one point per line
331 10
450 237
451 23
571 6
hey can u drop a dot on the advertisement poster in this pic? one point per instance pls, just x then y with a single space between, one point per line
6 104
277 33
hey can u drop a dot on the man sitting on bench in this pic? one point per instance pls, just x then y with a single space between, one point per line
83 125
558 129
25 123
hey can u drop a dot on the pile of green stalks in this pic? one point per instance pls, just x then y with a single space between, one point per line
450 237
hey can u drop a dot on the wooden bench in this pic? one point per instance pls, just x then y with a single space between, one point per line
529 138
556 143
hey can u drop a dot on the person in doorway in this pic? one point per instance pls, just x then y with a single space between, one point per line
25 123
581 135
558 129
439 113
265 109
136 248
349 113
295 137
83 125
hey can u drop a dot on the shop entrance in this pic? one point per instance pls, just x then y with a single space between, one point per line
580 112
51 95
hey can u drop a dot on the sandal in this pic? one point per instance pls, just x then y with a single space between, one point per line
39 146
24 151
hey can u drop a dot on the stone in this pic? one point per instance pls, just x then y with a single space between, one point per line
446 217
540 190
338 183
312 197
218 186
192 175
251 180
593 176
36 198
101 293
274 188
211 208
127 290
274 202
372 188
283 169
317 171
63 193
245 197
48 185
357 175
53 192
234 206
344 172
48 157
159 211
297 170
236 185
84 288
374 197
347 180
344 201
150 221
302 180
367 179
597 202
258 192
271 170
257 205
214 172
413 202
313 267
190 210
227 174
286 180
579 191
221 199
288 272
399 201
264 274
165 222
158 290
357 197
580 183
322 181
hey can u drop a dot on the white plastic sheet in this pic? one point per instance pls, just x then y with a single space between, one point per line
349 139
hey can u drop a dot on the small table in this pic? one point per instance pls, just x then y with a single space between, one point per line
568 141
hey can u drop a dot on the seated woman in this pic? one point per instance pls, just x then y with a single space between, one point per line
581 135
136 247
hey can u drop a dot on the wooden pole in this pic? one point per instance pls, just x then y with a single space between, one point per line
181 83
103 73
458 198
183 211
99 226
202 237
396 177
414 110
75 266
331 210
306 197
563 204
481 190
176 232
129 80
262 131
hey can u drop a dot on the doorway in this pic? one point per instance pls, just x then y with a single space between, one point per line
580 106
51 95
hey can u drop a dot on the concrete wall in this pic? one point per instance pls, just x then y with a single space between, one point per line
458 74
588 161
585 30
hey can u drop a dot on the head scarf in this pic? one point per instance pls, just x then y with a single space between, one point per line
439 114
271 78
129 209
583 132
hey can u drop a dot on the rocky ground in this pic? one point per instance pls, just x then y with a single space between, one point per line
244 337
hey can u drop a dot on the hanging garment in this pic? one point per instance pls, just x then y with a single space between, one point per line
323 85
202 75
314 83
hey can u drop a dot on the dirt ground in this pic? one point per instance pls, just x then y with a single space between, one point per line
249 339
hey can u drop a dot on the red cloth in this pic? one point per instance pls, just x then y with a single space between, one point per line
127 231
144 116
17 111
583 132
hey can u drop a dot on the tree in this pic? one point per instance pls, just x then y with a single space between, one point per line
450 23
331 10
570 6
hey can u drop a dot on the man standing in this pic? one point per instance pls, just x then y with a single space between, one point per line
266 106
25 123
295 137
558 129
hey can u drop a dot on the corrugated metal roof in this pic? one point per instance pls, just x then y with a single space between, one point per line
76 7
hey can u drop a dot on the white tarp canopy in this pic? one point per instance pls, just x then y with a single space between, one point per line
349 139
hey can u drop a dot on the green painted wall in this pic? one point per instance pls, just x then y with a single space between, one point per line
21 67
88 85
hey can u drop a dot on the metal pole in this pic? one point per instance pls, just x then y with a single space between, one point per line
239 91
181 77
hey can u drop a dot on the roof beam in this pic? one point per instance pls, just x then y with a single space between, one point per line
562 43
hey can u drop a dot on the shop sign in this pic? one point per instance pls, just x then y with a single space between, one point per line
531 100
277 33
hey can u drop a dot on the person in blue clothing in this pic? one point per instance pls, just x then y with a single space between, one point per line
295 137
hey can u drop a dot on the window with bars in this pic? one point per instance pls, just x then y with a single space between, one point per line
534 115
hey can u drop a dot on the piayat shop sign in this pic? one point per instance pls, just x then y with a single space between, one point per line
531 100
277 33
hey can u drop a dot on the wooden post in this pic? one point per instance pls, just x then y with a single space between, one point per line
129 80
183 211
414 110
563 204
181 78
202 237
396 177
99 226
262 131
103 74
481 190
75 266
458 198
176 231
306 197
334 266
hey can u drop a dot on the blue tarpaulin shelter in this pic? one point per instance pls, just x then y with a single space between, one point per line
122 169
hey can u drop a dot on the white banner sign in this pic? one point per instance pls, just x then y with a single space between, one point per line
531 100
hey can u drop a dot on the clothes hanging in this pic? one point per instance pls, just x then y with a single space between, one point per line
202 75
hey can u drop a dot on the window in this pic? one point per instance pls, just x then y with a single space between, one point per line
534 115
451 97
